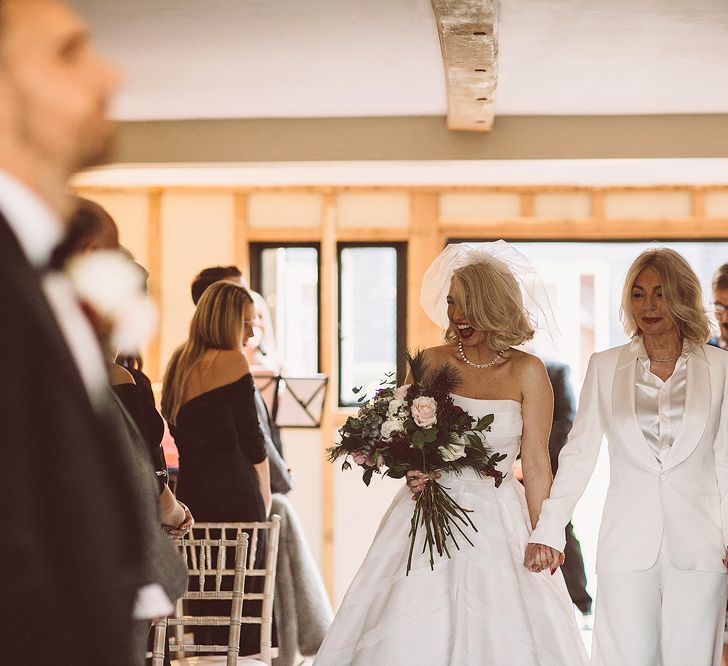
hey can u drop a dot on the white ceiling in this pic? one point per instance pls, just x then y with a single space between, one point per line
598 172
331 58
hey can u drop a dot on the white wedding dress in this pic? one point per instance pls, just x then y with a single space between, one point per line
482 607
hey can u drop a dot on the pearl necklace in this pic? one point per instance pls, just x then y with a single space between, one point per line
483 366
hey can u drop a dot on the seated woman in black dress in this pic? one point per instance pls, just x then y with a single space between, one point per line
208 401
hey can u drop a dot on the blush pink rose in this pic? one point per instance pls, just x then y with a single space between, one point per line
359 457
400 393
424 411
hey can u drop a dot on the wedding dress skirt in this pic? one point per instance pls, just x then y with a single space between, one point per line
482 606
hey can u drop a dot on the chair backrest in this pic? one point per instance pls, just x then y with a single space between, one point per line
266 652
206 560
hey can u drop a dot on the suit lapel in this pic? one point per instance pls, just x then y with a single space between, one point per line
623 407
697 407
26 280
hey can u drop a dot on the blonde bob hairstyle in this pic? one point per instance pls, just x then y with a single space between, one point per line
489 296
216 324
681 293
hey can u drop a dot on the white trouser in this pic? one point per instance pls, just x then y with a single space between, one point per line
659 617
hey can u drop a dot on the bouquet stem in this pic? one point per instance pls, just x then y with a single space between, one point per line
438 513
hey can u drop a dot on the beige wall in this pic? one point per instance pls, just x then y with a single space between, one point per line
197 231
424 138
181 230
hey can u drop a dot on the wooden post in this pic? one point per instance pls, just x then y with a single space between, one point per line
153 361
329 344
425 243
241 244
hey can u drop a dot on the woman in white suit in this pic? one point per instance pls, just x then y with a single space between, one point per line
659 400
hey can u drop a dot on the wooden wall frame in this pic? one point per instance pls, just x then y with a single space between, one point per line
425 236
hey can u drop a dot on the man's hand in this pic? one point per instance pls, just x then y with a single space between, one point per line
539 557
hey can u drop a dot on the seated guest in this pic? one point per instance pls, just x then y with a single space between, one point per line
208 399
261 350
280 473
564 412
302 610
91 228
174 515
126 371
720 307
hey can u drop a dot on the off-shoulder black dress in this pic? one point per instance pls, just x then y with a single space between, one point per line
219 441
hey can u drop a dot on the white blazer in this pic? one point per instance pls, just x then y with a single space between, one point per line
686 499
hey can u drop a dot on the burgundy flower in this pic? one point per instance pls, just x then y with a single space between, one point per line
490 470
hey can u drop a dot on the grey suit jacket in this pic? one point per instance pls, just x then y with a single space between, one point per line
164 565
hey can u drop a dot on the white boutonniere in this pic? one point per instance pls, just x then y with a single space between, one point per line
111 286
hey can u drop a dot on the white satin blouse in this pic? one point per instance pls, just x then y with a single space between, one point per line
659 405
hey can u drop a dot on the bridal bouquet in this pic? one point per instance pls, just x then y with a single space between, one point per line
418 427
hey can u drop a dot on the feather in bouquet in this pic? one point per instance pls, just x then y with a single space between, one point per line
419 427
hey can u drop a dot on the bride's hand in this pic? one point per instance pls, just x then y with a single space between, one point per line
417 480
539 557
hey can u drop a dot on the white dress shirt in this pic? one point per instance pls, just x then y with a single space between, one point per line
659 406
38 230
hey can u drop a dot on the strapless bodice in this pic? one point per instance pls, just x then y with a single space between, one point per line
504 434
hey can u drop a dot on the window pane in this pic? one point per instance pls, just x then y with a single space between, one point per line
289 284
368 318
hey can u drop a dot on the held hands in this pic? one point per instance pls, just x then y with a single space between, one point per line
416 481
183 528
539 557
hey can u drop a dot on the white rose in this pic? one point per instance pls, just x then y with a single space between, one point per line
394 407
390 427
454 450
112 285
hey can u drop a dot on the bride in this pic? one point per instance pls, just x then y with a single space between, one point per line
482 606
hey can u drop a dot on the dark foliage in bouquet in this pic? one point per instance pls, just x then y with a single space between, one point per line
418 427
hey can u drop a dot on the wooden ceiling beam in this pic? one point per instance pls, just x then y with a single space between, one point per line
468 32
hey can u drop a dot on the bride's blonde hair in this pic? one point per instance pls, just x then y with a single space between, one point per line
489 295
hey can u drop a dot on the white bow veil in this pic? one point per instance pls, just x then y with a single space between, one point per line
437 279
